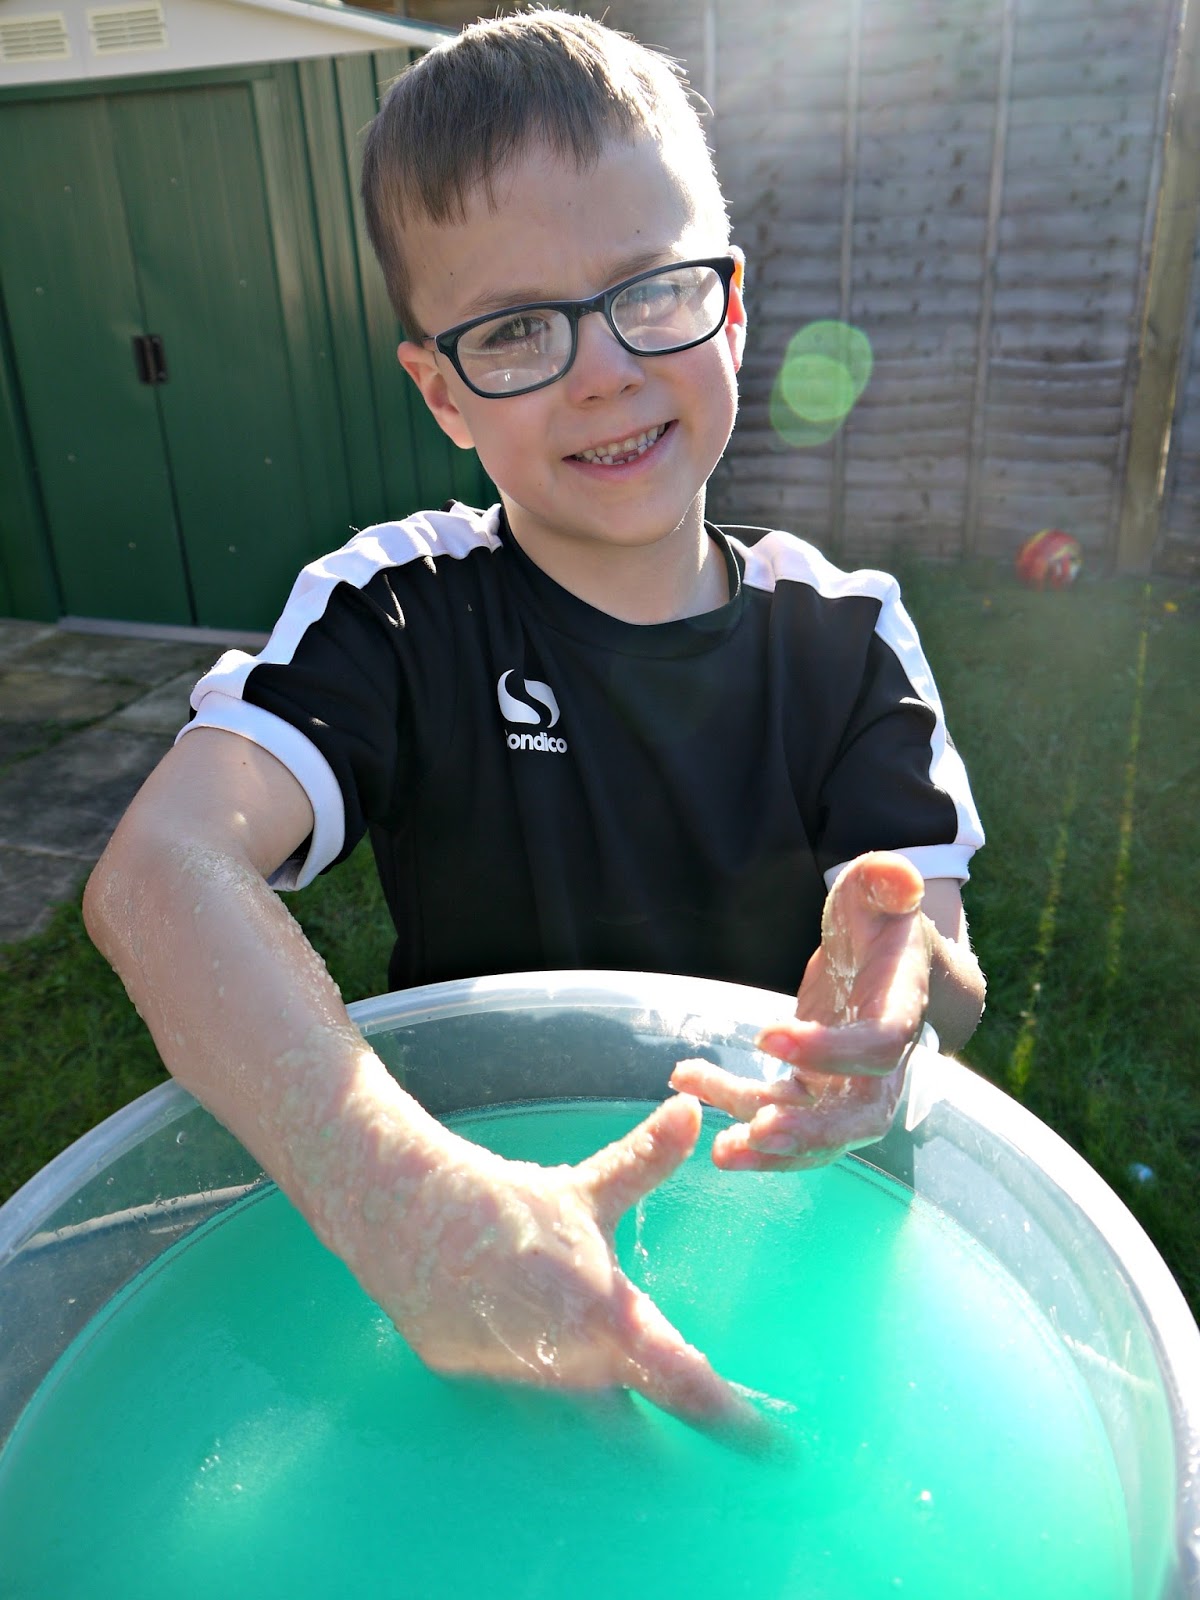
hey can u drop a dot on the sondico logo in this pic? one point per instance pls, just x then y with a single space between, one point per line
514 710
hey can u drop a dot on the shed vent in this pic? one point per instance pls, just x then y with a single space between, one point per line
40 38
119 30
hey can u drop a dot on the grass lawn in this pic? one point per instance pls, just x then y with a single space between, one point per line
1075 715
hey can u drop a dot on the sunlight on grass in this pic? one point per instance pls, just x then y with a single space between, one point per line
1074 713
1021 1063
1116 921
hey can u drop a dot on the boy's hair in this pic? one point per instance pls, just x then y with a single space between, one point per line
451 121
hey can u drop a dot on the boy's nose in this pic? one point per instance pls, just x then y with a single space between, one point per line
602 366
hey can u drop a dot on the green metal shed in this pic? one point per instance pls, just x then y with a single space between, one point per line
198 385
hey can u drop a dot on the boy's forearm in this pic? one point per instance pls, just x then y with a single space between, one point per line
956 988
246 1017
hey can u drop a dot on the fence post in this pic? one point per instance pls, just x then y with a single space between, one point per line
983 350
1163 337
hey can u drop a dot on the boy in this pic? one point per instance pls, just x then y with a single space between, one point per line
720 727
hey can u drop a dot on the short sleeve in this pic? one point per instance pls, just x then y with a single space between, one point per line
327 698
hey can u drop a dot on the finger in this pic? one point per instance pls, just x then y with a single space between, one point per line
873 1048
733 1152
618 1176
783 1133
842 1122
894 886
748 1160
677 1378
728 1091
885 883
662 1365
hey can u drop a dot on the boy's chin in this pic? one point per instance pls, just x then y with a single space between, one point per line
625 536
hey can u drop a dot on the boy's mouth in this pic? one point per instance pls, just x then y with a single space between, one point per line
621 451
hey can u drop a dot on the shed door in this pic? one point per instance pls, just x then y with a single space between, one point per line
74 306
136 216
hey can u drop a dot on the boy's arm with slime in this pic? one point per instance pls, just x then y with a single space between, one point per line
486 1266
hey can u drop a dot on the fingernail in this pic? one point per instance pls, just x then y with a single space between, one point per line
777 1044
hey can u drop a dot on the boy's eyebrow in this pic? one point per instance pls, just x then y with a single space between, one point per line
626 267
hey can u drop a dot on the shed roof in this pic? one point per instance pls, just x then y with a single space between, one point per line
74 39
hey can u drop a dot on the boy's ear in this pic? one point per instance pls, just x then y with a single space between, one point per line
420 364
735 321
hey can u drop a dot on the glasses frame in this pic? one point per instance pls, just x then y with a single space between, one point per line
447 342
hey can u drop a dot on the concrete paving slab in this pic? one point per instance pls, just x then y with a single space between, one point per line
30 696
33 885
164 710
16 635
18 739
144 661
62 788
69 800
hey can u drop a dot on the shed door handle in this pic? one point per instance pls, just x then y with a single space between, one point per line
150 358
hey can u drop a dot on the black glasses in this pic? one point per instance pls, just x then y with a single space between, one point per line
654 313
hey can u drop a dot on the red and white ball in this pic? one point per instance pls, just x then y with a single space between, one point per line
1052 559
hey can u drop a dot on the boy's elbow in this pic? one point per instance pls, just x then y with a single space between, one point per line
956 1003
93 904
111 895
132 883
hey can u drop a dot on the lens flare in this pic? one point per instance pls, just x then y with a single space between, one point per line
825 369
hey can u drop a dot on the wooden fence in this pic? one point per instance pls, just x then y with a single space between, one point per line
974 184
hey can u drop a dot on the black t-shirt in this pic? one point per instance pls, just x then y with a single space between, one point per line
547 787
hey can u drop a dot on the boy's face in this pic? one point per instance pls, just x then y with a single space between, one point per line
553 234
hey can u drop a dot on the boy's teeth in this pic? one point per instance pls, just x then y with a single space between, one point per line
623 450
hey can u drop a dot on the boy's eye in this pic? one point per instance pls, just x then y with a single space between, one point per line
656 298
529 328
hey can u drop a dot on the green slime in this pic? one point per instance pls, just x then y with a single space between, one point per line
242 1419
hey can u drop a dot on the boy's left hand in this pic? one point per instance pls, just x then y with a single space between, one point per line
861 1006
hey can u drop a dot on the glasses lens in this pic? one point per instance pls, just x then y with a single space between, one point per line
678 306
515 352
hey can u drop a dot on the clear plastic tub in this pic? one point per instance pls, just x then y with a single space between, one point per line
88 1224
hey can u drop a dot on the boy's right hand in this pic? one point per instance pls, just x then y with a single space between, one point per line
500 1268
507 1270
